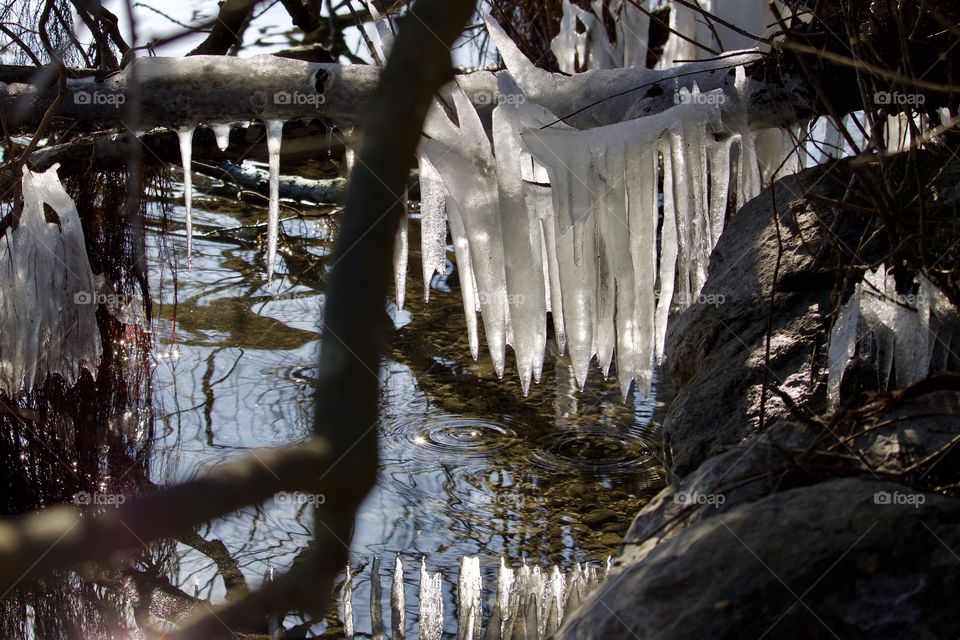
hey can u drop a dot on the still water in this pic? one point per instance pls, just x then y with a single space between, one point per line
469 466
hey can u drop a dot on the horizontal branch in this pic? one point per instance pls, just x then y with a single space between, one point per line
62 536
181 92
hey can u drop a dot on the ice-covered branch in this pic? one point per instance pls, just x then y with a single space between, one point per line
177 91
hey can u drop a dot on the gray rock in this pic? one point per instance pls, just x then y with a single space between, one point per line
820 561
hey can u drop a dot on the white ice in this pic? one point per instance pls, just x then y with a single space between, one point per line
222 133
398 612
47 292
843 344
431 604
400 255
469 599
185 135
274 140
464 158
345 604
433 224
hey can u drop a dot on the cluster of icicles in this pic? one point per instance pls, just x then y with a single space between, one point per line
48 322
529 602
545 217
909 335
548 218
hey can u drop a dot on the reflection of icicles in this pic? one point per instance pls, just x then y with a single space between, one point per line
274 138
469 599
376 603
431 604
398 613
185 135
400 252
433 224
345 609
222 133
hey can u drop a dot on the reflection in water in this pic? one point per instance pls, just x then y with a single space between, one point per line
469 466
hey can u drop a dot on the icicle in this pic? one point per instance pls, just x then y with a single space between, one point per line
563 94
431 604
376 604
222 133
540 200
465 161
582 41
719 187
642 218
579 284
469 602
185 134
346 604
668 254
274 138
47 292
398 613
522 241
433 224
468 287
400 253
748 173
613 251
843 343
633 28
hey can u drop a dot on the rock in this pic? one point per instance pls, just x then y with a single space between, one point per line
598 516
715 353
819 526
820 561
